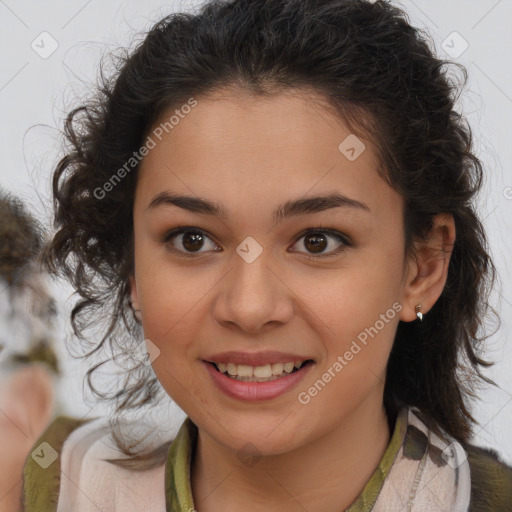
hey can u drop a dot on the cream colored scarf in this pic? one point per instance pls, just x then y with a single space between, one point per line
419 472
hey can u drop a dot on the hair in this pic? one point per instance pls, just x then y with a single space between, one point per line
382 77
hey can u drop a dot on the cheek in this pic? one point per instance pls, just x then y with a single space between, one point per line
168 293
345 301
173 302
355 362
170 321
177 364
356 312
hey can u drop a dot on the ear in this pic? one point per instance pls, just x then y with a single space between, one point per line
427 269
134 299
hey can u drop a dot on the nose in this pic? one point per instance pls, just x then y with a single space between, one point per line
253 297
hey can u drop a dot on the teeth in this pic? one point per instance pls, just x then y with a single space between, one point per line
277 368
288 367
258 373
262 371
245 370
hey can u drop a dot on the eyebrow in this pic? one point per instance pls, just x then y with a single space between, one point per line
289 209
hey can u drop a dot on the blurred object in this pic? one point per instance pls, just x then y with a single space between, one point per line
20 241
41 353
27 310
26 408
28 363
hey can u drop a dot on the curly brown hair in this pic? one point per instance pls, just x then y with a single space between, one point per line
382 76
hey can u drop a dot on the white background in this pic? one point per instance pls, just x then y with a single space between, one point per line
36 92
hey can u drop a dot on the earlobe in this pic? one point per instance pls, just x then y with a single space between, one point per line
428 274
134 299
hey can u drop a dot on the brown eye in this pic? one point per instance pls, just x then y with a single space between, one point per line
192 241
188 241
316 242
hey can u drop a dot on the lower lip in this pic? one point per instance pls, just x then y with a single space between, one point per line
254 391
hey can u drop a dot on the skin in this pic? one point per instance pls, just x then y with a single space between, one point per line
252 154
26 408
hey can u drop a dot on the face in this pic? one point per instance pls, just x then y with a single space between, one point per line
275 275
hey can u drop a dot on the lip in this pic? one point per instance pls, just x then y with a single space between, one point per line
257 391
256 358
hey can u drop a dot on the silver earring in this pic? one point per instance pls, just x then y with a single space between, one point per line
419 314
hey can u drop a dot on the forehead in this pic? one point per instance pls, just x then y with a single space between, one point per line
290 124
240 146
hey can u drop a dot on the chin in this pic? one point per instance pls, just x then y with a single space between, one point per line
258 436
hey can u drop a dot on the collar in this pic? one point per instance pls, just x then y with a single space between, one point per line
178 490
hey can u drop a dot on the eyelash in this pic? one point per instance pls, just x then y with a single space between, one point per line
340 237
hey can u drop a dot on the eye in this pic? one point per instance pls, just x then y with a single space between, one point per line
189 241
317 240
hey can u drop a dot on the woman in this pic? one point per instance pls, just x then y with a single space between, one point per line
277 197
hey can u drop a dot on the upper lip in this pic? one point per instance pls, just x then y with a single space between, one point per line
255 358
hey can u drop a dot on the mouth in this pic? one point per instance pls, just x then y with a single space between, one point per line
262 373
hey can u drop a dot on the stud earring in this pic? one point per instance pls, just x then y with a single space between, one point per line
419 314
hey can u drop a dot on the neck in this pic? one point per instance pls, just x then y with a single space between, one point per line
327 474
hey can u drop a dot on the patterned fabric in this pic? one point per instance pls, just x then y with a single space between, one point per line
428 474
418 472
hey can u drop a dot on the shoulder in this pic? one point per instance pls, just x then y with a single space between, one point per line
68 469
41 471
491 480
